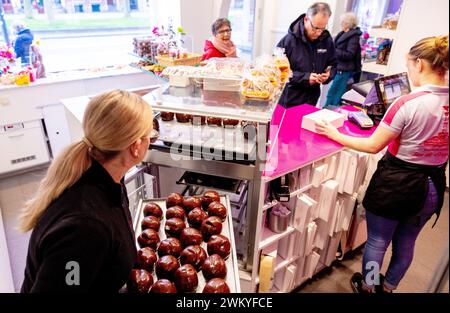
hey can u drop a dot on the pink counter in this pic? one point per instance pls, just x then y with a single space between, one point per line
293 147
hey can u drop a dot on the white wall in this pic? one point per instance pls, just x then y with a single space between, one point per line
418 19
197 17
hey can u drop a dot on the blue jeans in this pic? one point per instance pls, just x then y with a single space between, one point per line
381 232
338 88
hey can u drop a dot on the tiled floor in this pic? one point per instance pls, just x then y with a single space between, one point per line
430 246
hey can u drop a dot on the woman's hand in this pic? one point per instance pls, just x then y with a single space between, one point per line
325 128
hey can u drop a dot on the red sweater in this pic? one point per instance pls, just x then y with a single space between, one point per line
211 52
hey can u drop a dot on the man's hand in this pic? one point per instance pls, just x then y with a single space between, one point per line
314 79
323 77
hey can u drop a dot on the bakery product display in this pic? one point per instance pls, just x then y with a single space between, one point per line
146 259
175 211
139 281
174 226
166 266
194 255
167 116
211 226
196 217
217 209
208 197
216 285
163 286
191 236
214 267
154 210
169 246
151 222
219 244
191 203
230 122
183 118
186 279
174 199
148 238
214 121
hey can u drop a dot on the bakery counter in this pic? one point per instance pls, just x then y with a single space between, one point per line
293 147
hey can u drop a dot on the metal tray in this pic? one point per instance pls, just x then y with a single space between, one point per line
232 278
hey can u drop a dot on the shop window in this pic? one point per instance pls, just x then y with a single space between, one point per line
78 8
242 17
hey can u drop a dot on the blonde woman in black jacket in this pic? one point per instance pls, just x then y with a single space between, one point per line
82 239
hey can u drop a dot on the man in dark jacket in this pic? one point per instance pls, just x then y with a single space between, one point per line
23 43
310 50
348 51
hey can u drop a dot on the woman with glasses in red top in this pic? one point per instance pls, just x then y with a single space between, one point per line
220 44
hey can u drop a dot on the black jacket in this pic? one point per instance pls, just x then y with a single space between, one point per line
306 57
90 223
348 50
398 189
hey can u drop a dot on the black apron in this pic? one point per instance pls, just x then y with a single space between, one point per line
398 189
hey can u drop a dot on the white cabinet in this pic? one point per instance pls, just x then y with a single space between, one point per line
23 145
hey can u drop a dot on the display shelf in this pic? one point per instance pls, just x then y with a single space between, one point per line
379 32
269 237
295 193
373 67
282 263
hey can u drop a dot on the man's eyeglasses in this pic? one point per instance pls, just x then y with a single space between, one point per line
221 32
317 29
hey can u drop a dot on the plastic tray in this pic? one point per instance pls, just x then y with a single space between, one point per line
232 278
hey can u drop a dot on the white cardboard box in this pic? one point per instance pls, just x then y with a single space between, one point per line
334 118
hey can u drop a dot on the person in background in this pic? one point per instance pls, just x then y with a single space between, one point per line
80 216
36 60
310 50
348 52
23 42
408 187
220 45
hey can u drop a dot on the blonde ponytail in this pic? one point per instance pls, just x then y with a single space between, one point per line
111 123
434 50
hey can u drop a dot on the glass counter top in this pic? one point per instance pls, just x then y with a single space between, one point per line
224 104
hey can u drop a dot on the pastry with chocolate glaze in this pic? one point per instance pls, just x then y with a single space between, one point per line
211 226
163 286
196 217
170 246
139 281
167 116
186 279
217 209
148 238
175 211
183 118
151 222
230 122
214 121
214 267
208 197
166 266
174 199
191 203
194 255
216 285
154 210
174 226
191 236
146 259
219 244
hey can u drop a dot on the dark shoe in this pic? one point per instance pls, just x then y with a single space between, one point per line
356 283
380 288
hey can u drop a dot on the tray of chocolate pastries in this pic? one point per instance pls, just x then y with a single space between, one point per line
185 245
